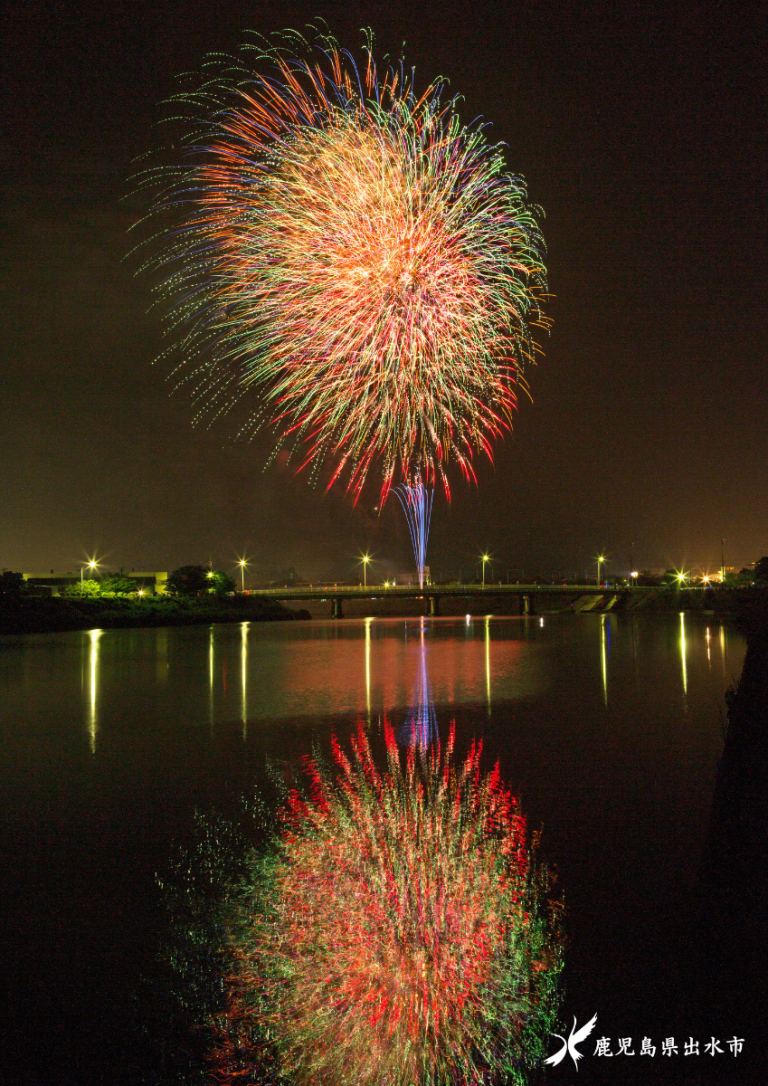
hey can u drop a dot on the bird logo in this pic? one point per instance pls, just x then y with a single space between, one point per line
575 1037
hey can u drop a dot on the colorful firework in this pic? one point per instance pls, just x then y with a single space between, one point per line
399 936
417 506
344 245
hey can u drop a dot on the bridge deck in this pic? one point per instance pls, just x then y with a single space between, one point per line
369 592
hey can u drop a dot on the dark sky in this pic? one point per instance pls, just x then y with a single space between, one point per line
640 128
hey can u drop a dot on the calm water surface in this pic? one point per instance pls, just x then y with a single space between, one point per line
608 727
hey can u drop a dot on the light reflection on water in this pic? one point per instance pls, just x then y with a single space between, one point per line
93 670
372 666
244 626
420 728
604 657
369 666
488 662
368 622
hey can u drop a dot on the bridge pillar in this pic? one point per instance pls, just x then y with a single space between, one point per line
434 606
336 611
527 605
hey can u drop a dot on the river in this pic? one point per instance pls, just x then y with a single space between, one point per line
608 727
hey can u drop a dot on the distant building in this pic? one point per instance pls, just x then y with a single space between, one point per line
409 580
56 581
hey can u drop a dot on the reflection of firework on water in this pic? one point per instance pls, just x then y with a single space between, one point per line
420 727
347 247
400 935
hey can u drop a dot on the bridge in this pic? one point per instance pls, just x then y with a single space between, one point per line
526 594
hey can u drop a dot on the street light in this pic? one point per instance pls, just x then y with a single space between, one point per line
242 562
365 560
91 564
634 576
486 558
600 560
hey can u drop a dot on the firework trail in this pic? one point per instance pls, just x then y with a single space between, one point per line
417 506
341 243
400 936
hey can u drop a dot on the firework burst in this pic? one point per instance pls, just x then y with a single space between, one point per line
346 247
399 936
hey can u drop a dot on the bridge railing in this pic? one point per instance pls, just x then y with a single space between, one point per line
327 591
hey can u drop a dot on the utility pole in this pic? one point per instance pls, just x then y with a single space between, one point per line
722 561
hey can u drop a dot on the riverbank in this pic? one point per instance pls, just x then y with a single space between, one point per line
726 922
724 602
40 615
34 614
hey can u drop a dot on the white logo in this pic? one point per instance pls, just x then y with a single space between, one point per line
569 1046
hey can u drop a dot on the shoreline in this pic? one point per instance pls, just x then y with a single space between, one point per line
59 614
35 614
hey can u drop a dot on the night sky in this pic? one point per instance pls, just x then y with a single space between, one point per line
640 129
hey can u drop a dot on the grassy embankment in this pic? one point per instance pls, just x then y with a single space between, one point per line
721 601
34 614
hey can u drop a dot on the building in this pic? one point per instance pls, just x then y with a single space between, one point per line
53 582
412 579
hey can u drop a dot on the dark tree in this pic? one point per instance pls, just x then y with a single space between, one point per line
199 581
118 584
760 572
88 587
220 583
11 585
189 581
